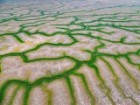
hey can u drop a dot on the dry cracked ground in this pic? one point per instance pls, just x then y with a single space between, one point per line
70 53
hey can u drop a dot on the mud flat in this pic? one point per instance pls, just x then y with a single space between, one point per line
70 53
